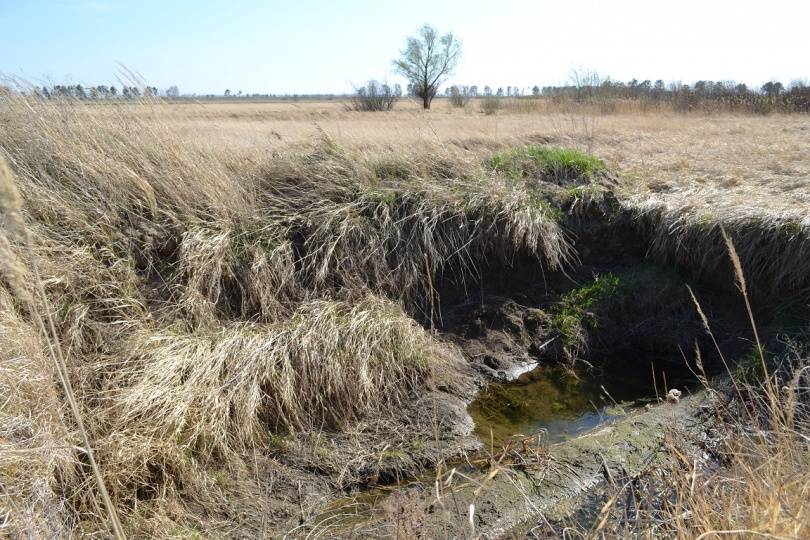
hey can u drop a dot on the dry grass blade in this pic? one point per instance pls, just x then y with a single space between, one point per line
11 211
707 327
771 391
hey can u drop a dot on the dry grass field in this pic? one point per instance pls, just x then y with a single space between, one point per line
238 305
761 161
698 167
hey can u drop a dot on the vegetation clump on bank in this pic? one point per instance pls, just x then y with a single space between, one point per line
572 312
558 165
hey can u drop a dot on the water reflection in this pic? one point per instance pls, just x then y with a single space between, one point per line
562 403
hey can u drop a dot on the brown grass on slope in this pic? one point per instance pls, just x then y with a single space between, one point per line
207 300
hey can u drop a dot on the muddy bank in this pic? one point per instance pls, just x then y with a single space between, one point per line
602 332
616 314
543 488
530 486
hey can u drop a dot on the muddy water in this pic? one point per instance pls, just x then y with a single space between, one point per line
553 400
562 404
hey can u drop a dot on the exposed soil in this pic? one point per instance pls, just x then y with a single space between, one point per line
615 312
547 485
512 321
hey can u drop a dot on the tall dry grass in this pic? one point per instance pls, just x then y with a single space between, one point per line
208 300
16 231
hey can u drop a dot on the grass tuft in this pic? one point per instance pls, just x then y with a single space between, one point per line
572 313
558 165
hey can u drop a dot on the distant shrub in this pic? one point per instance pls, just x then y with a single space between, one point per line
490 105
459 96
375 96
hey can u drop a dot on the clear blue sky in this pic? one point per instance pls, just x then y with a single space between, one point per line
309 46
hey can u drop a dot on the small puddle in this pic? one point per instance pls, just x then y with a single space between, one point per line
562 404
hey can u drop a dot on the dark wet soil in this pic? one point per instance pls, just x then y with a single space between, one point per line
589 403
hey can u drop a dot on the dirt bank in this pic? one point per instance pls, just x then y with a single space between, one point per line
530 486
615 312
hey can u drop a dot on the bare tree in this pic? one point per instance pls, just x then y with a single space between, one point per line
426 60
585 82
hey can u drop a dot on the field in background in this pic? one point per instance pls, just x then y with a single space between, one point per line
730 165
741 155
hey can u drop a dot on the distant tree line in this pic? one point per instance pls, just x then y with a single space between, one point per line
77 91
794 95
772 96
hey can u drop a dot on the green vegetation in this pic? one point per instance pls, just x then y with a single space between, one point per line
555 164
571 314
392 169
748 368
553 212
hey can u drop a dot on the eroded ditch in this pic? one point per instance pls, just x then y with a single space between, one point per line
574 364
571 368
